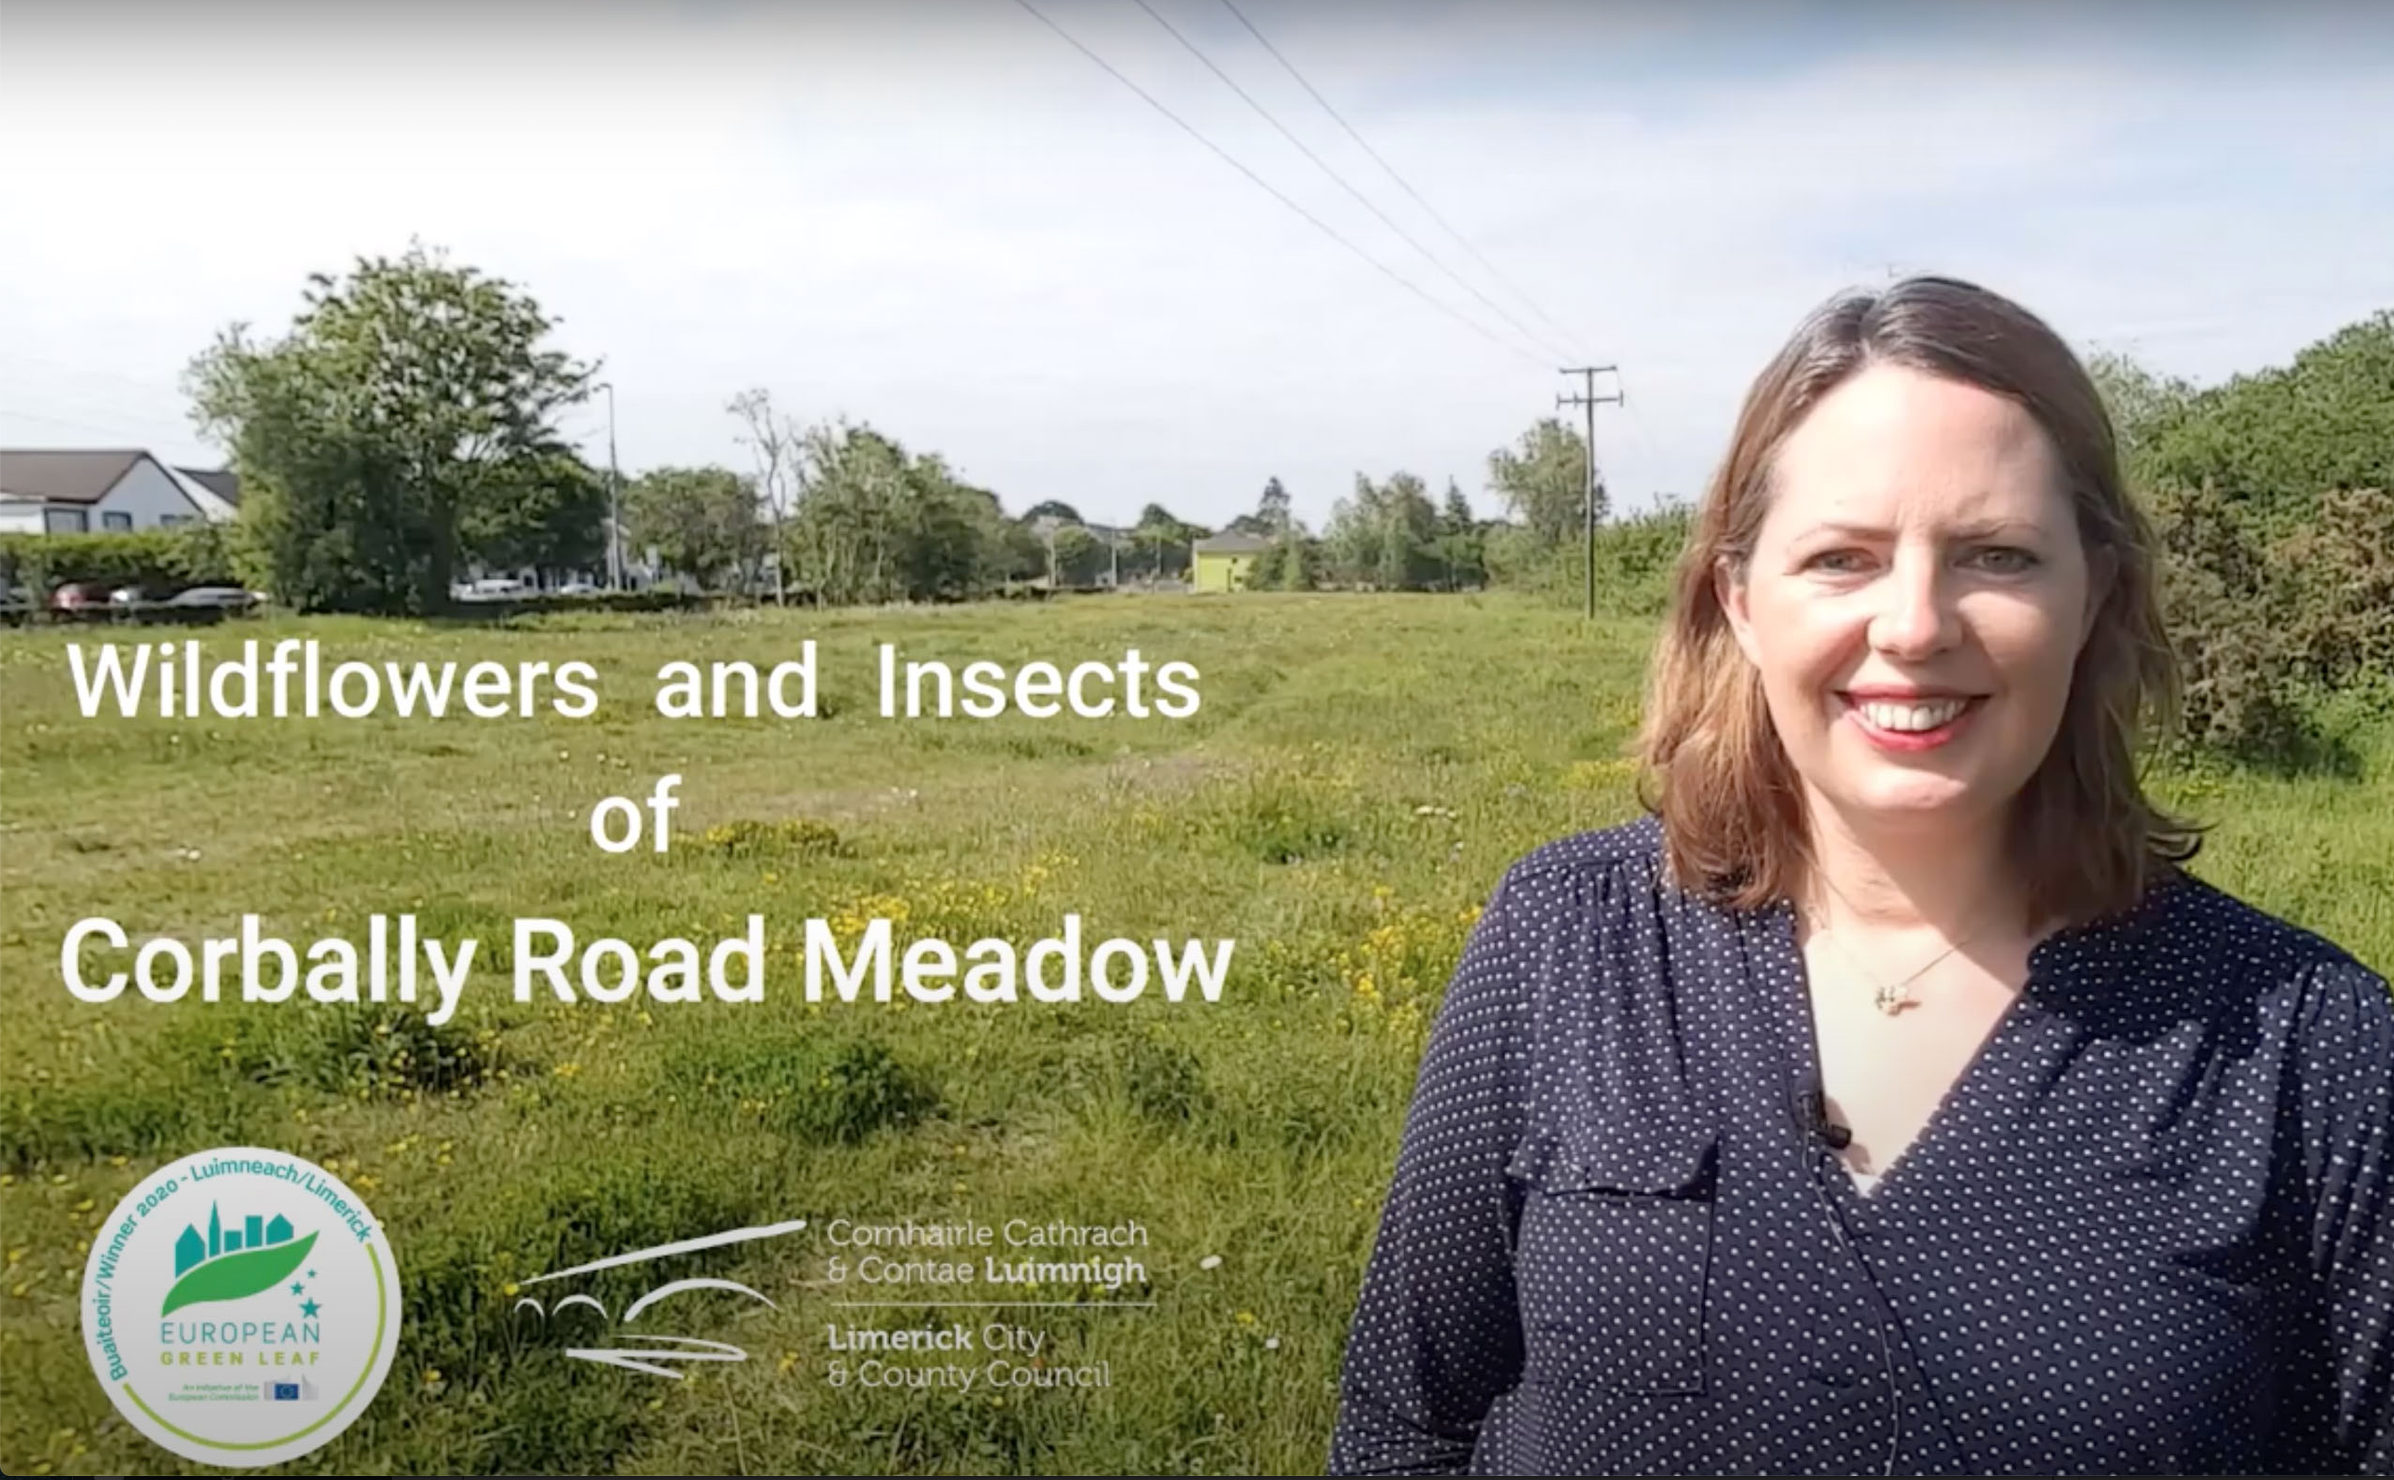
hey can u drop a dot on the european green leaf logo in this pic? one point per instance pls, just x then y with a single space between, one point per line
235 1263
241 1306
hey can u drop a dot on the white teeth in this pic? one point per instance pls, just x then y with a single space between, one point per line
1912 716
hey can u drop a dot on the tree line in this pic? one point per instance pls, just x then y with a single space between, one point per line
404 430
2272 497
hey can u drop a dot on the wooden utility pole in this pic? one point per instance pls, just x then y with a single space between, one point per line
1588 399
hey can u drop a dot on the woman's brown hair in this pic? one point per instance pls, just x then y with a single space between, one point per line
2086 840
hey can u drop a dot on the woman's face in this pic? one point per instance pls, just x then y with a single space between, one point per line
1916 600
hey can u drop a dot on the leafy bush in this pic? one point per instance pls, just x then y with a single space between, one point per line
1634 560
2341 606
158 560
2268 494
2266 627
2217 593
2271 438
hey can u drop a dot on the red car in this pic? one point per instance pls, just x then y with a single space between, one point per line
78 595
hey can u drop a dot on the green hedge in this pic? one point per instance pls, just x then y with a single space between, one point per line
1635 558
162 561
2274 609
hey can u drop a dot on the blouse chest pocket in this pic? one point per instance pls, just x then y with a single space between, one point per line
1611 1255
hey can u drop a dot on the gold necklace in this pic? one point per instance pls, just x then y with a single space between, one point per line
1889 997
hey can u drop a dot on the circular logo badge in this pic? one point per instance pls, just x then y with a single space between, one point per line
241 1307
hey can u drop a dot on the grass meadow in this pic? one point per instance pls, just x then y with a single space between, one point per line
1360 772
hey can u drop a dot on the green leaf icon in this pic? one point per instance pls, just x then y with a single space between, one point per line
237 1276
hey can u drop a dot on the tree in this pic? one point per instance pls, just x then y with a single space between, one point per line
1272 509
2275 439
948 536
1292 562
406 405
849 516
773 439
1300 562
1078 555
1457 541
1407 553
1543 480
1165 539
1382 535
701 521
547 511
2272 498
1022 552
2142 404
875 523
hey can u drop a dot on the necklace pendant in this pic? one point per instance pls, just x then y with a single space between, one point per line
1892 999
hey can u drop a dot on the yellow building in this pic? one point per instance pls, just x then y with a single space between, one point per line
1221 561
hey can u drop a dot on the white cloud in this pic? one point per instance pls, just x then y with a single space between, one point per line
942 218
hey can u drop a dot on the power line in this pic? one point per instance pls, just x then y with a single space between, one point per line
1402 184
28 387
76 400
118 429
1377 265
1266 114
138 382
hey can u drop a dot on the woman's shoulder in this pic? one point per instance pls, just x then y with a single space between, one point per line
1635 845
2195 914
1603 874
2225 949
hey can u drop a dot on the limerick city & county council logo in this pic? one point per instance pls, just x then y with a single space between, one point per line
241 1307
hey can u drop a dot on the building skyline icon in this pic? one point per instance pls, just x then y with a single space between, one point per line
254 1232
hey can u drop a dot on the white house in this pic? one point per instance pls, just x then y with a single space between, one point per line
49 491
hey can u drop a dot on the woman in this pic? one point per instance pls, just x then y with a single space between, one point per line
1889 1100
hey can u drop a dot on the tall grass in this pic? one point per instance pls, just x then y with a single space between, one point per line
1361 770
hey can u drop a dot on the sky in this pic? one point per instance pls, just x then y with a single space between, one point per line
946 219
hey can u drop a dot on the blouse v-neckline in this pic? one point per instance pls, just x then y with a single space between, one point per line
1785 968
2053 962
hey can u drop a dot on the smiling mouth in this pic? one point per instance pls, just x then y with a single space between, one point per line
1911 716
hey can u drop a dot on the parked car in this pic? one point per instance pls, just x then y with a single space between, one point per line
578 588
79 596
231 597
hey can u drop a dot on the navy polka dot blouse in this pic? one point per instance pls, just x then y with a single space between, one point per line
2150 1230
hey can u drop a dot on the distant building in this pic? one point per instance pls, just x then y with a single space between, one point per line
1223 560
223 482
71 491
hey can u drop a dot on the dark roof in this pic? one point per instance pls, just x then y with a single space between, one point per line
1233 544
65 477
223 482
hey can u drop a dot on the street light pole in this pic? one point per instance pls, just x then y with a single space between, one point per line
614 499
